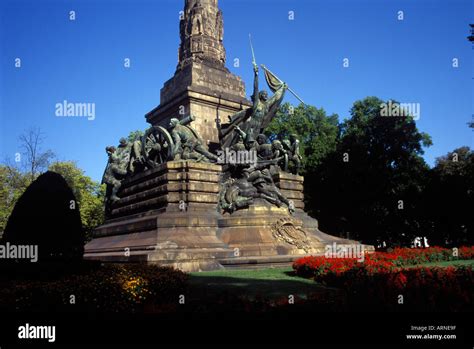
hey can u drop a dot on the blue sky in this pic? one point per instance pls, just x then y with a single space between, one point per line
82 61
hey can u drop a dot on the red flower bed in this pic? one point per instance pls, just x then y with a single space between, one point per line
412 256
466 252
380 279
422 289
320 266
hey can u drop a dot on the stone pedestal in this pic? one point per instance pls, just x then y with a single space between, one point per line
266 230
291 186
189 92
167 215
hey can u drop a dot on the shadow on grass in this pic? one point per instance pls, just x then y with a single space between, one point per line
214 286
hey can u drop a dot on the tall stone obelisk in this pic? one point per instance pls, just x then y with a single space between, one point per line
202 85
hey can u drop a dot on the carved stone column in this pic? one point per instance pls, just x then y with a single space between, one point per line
201 85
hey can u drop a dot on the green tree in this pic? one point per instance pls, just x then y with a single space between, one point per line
43 216
89 194
450 198
12 184
135 135
15 179
316 131
371 184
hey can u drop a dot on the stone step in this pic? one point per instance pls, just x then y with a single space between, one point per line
257 266
260 262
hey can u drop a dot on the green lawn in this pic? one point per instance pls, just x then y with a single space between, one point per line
269 283
266 274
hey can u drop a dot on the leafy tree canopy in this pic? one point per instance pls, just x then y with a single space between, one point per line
316 131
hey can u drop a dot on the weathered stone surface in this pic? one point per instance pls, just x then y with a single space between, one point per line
167 216
291 186
256 232
151 223
172 182
202 85
201 31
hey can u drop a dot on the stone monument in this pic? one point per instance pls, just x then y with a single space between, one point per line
204 188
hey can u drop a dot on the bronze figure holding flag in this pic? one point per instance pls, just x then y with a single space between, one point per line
255 119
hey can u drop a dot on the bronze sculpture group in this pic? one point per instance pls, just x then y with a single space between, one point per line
242 182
